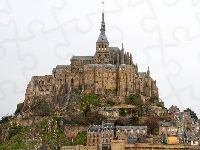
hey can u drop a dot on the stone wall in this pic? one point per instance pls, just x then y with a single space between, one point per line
70 130
79 147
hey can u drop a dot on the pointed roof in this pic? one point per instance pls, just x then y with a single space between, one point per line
102 36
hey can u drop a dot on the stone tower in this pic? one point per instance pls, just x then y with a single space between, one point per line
102 55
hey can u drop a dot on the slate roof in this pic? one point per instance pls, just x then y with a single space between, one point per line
181 135
190 135
132 141
102 65
102 37
82 58
99 128
114 48
179 115
131 127
141 74
174 109
108 109
95 128
166 124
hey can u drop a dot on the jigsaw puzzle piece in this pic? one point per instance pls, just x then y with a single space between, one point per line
5 7
30 11
195 2
168 18
186 85
84 20
9 96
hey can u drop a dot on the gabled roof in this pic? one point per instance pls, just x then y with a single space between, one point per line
131 127
174 109
99 128
166 124
102 65
114 48
108 109
82 58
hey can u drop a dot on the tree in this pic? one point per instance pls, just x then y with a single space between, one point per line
192 113
123 121
151 123
81 138
5 119
42 108
122 112
134 120
134 100
19 107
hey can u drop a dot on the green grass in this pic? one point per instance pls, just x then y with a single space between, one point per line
22 137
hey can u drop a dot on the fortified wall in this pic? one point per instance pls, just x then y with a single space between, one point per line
110 71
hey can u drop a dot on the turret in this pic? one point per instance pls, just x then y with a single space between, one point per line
122 54
148 72
102 55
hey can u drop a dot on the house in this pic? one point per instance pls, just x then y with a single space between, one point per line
100 135
167 128
109 112
131 134
173 109
189 138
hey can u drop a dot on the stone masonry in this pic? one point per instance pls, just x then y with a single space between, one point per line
110 71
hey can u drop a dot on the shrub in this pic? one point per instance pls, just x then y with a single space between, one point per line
19 107
42 108
81 138
122 112
134 100
5 119
110 103
13 131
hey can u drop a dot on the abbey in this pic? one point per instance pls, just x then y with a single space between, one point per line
110 71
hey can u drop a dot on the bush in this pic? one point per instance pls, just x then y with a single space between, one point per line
13 131
134 100
123 121
5 119
42 108
122 112
19 107
110 103
134 120
81 138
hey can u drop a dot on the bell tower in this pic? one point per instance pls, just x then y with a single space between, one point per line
102 55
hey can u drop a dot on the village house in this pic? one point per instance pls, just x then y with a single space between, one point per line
167 128
130 134
109 112
100 135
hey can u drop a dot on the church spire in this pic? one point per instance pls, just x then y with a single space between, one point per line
102 22
102 36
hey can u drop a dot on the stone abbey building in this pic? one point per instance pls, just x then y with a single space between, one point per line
110 71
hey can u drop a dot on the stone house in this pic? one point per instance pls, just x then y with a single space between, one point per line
130 134
189 138
157 111
109 112
173 109
167 128
100 135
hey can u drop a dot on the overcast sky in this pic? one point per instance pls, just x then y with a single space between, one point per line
36 35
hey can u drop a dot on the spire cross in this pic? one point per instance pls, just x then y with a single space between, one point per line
102 22
103 7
